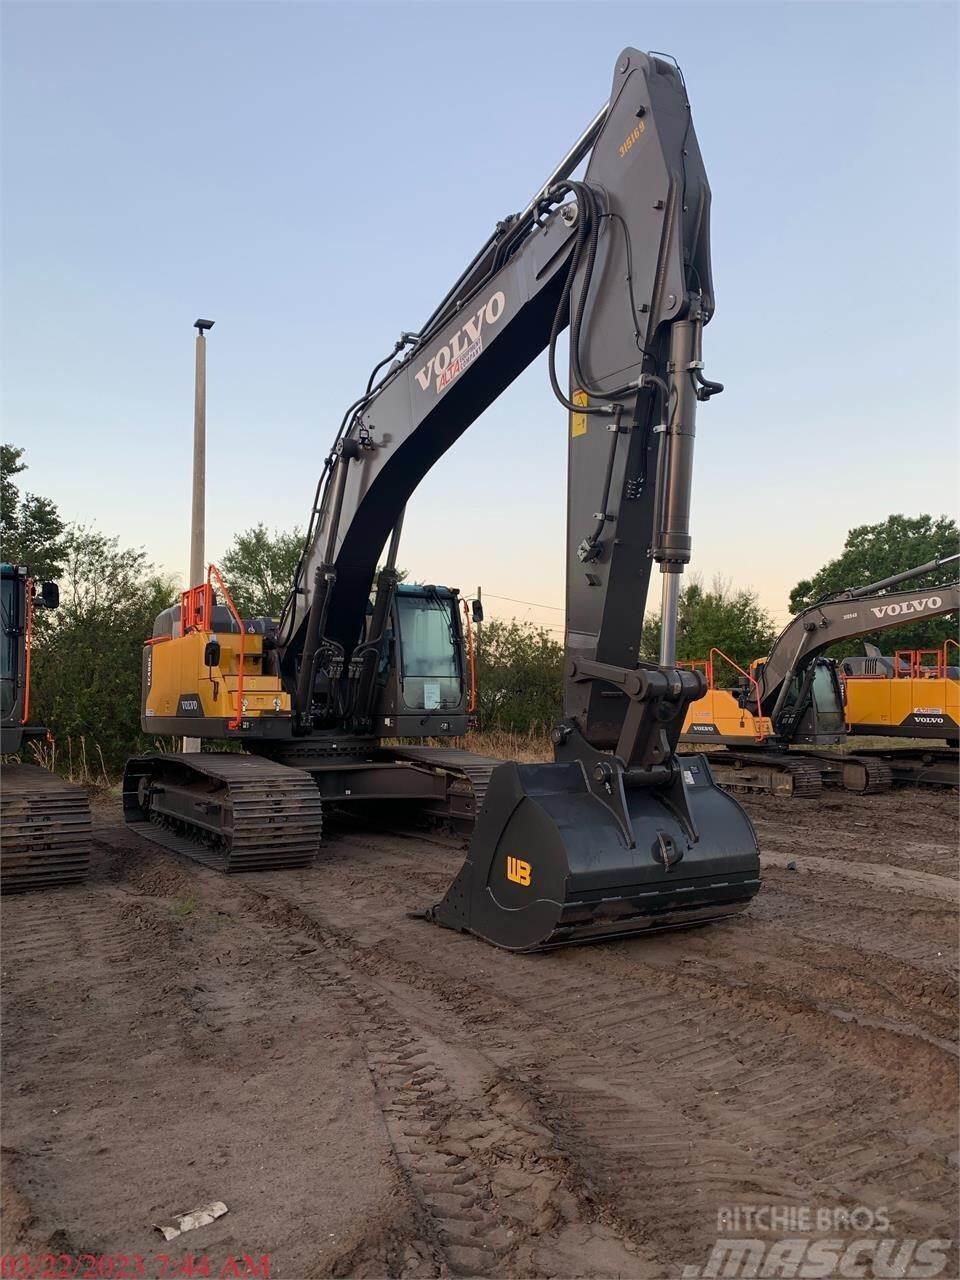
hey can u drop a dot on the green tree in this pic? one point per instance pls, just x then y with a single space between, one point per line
519 677
258 567
875 551
720 617
87 661
31 531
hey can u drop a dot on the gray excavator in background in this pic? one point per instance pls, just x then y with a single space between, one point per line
794 699
618 835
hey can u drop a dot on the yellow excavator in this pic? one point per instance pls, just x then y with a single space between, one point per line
618 835
793 699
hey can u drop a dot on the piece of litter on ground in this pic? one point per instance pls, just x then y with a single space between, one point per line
189 1221
791 866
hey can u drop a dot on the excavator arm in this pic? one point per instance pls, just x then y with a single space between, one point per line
622 258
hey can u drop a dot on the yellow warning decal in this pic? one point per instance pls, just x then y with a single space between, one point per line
578 421
518 871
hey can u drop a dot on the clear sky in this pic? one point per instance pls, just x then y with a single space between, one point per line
313 176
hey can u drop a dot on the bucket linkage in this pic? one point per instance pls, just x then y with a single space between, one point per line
599 844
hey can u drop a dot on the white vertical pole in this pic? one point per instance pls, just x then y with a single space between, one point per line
199 498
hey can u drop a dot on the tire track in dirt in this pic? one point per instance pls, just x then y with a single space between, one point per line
491 1191
584 1112
775 1083
499 1196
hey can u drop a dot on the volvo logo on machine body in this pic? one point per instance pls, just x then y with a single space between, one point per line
898 608
445 365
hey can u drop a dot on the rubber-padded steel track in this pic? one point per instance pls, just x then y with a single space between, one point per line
231 812
46 830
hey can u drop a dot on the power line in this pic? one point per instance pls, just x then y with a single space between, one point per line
492 596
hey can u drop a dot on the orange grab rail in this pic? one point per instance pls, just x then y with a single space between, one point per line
471 660
746 674
693 664
214 572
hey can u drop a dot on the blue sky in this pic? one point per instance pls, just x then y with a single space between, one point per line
313 176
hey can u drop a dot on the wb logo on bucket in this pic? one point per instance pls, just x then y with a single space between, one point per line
518 871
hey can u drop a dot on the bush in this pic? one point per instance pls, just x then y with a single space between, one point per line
87 658
519 677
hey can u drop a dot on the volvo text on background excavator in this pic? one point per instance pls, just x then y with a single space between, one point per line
618 835
793 700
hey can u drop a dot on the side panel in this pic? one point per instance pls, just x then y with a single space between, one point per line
717 716
903 707
179 686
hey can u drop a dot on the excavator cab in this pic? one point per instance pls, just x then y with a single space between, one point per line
813 708
19 597
423 668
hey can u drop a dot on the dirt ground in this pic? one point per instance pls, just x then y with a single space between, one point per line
373 1096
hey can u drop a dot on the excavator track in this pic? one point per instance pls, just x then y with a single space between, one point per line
472 773
46 830
231 812
867 777
773 773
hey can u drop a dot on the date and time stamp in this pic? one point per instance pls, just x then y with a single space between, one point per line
133 1266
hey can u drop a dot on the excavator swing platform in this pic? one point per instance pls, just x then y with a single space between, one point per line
619 835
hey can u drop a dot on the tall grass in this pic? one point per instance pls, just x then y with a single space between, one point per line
530 747
75 764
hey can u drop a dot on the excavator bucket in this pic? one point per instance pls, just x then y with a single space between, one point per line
550 865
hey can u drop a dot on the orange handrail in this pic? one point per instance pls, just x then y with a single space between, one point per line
27 646
214 572
745 674
196 608
916 669
956 645
471 660
694 663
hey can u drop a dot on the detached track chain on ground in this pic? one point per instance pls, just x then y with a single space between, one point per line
587 1112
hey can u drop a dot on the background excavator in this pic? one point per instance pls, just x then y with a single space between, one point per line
45 821
914 693
794 698
618 835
